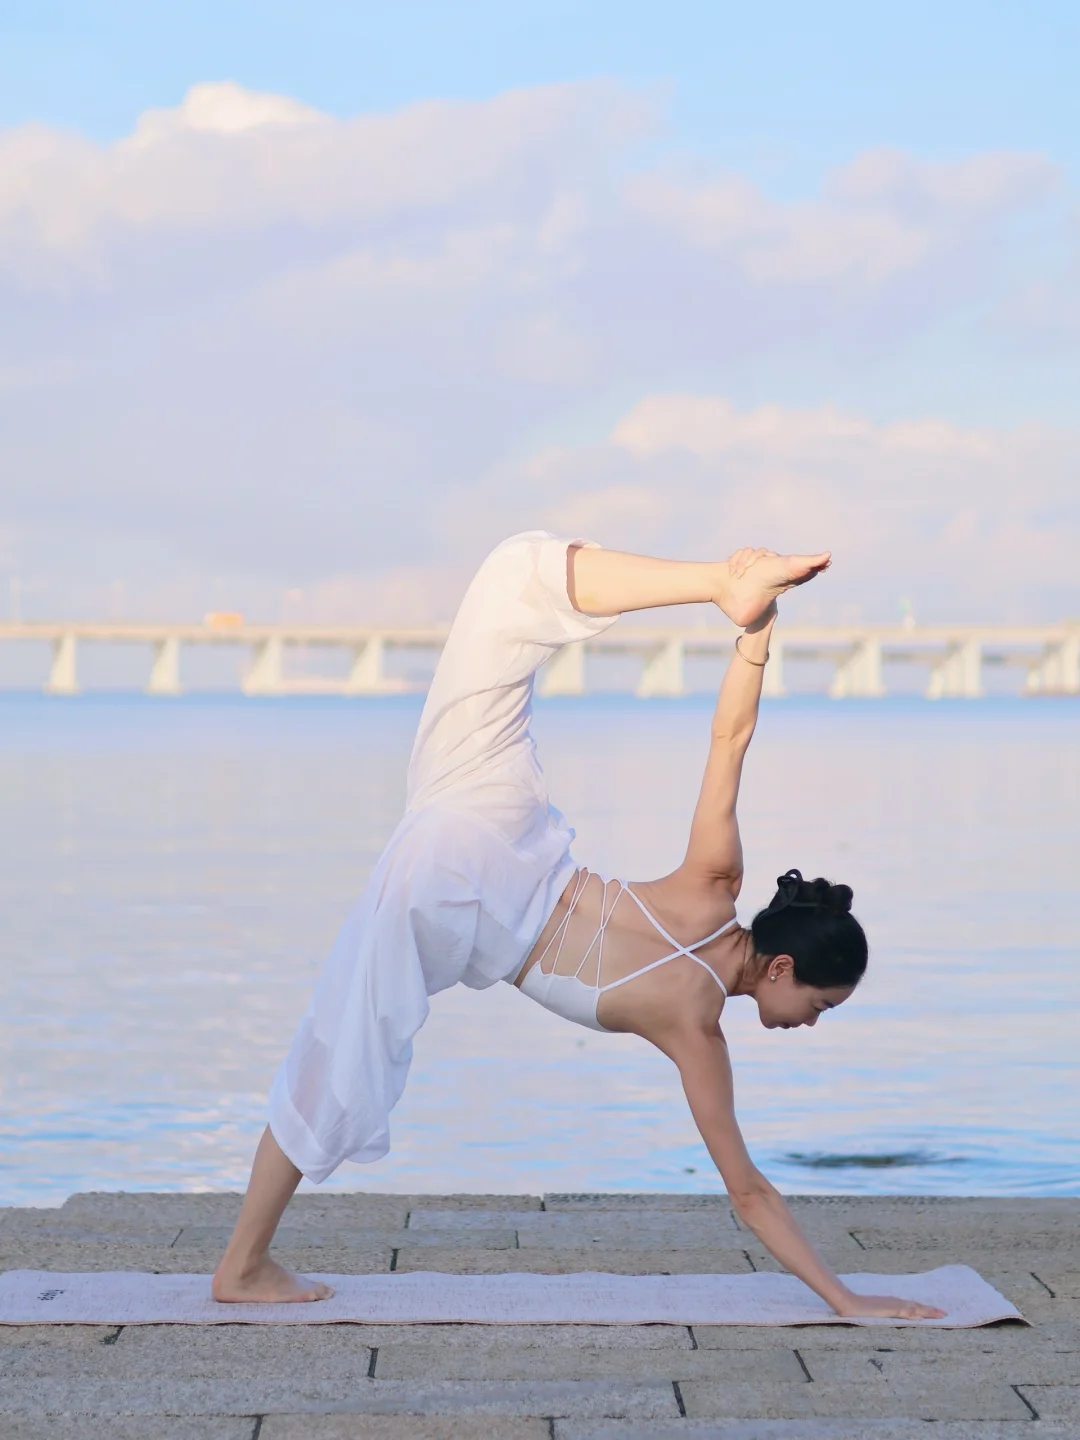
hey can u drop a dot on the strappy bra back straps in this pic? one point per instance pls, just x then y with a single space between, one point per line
597 942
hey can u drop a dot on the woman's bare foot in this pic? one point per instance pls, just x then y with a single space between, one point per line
266 1282
752 579
246 1272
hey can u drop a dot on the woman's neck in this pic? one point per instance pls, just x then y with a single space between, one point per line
745 977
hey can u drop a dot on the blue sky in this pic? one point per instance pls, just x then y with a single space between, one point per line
678 275
790 88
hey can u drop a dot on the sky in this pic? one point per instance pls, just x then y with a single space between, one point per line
304 308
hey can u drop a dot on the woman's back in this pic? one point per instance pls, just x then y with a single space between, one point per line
616 957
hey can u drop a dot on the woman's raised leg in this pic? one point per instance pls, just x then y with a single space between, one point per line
246 1271
607 582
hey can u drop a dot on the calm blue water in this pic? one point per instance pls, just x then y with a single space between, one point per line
173 871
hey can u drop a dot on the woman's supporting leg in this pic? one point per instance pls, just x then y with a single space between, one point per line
246 1271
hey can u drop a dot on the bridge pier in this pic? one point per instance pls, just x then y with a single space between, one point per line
858 673
165 672
266 676
1047 656
665 671
564 673
63 676
1057 670
958 674
367 676
772 682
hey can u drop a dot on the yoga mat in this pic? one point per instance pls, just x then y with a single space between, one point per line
36 1297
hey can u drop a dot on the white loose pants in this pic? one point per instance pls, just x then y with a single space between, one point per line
468 879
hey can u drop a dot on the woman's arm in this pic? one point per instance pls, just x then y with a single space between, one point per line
706 1075
705 1069
714 851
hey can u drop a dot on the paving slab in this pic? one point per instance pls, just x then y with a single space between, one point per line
1041 1366
323 1259
186 1352
959 1399
656 1201
1060 1283
400 1427
934 1209
117 1233
495 1360
810 1430
52 1252
163 1207
297 1235
1047 1311
424 1220
151 1396
74 1256
477 1202
1055 1402
537 1338
128 1427
692 1231
56 1337
1007 1338
968 1240
144 1228
555 1260
1010 1337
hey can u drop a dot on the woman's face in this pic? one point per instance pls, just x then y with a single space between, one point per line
784 1004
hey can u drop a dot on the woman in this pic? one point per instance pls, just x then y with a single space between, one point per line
477 885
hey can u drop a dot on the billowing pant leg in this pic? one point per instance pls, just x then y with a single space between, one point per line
515 615
463 888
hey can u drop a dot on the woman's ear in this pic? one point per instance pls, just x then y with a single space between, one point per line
780 966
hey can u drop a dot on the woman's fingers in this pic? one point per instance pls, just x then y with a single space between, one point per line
891 1307
740 561
912 1310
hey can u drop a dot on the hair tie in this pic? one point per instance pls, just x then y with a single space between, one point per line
787 890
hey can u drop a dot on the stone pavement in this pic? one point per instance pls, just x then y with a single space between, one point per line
460 1382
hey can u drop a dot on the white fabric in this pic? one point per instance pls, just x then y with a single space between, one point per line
37 1297
468 879
575 999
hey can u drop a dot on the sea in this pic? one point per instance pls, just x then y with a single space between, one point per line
173 872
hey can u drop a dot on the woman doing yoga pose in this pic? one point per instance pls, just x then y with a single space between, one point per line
477 885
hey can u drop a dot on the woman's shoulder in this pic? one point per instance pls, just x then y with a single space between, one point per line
688 905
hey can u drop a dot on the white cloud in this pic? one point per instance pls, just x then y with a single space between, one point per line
967 522
709 425
253 340
223 108
227 161
882 216
705 425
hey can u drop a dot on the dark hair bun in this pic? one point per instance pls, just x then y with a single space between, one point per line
792 889
811 921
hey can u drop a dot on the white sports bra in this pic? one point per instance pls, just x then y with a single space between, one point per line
569 995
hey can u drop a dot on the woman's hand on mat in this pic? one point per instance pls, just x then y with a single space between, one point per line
750 579
885 1307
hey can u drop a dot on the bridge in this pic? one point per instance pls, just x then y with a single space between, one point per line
956 656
